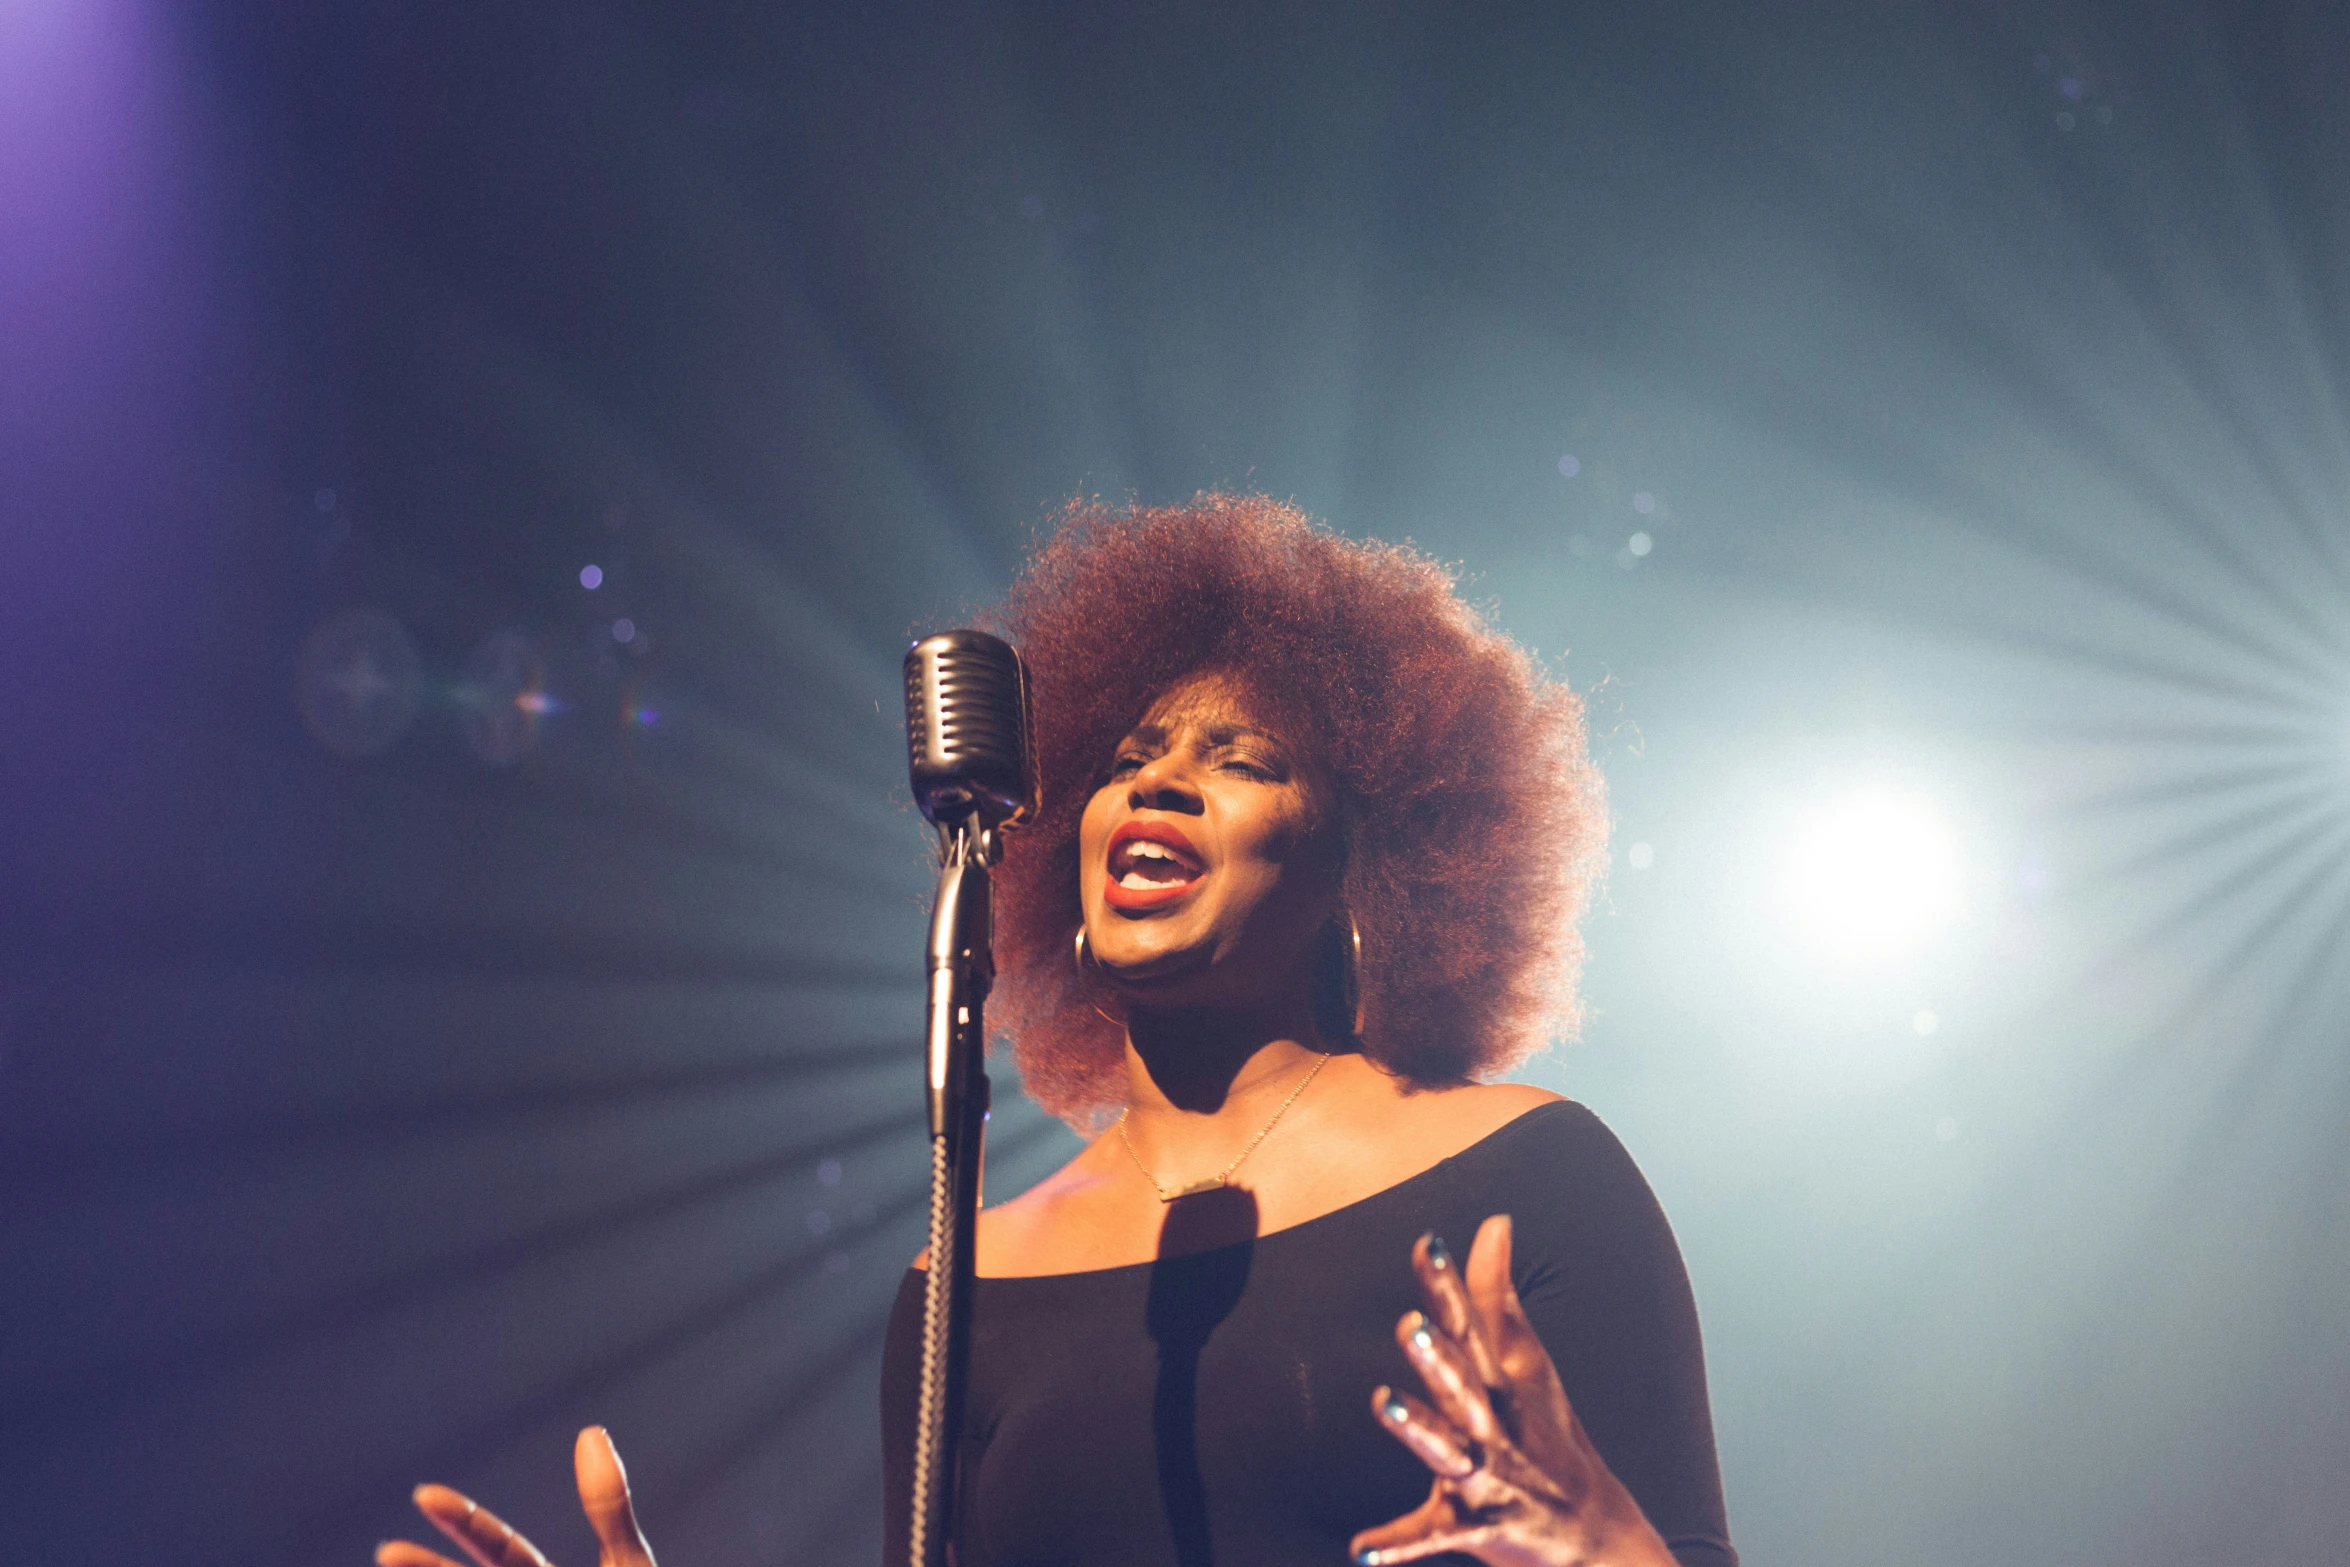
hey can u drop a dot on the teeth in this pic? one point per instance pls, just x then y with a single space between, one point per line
1150 865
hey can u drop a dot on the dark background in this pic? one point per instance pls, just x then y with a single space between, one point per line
1975 375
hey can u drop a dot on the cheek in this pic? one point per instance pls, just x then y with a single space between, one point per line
1093 833
1286 836
1311 854
1281 860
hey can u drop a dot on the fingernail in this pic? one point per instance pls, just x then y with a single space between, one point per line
1368 1558
1396 1409
1422 1339
1438 1256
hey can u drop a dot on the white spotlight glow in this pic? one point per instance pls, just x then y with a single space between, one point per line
1871 875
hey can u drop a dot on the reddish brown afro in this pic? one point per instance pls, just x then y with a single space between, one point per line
1472 818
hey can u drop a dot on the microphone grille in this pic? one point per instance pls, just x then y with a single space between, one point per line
967 729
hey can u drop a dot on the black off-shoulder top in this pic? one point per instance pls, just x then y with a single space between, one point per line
1213 1409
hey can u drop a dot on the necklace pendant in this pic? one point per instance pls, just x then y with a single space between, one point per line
1212 1183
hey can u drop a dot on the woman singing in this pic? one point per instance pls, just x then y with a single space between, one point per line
1313 848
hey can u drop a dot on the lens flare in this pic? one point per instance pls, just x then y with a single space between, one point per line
502 697
1871 876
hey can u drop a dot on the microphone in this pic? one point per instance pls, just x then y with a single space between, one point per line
968 733
969 750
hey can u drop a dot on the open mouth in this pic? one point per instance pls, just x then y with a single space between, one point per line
1150 863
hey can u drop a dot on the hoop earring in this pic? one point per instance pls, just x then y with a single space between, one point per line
1354 973
1085 961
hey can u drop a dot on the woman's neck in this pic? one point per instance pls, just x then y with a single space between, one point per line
1193 1068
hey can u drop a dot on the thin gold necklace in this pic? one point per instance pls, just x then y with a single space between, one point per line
1220 1177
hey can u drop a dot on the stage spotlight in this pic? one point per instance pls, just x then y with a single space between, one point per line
1871 875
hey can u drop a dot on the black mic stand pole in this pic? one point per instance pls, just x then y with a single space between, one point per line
962 967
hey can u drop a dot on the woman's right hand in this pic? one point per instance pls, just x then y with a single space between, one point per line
492 1542
1518 1481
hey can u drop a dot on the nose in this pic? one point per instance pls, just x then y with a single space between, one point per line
1164 783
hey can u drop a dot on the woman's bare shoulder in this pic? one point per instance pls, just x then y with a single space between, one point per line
1510 1100
1464 1113
1010 1231
1379 1129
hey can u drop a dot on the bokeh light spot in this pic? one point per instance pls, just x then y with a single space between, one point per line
591 577
357 682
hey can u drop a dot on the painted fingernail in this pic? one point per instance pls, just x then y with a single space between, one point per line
1368 1558
1396 1409
1438 1257
1422 1339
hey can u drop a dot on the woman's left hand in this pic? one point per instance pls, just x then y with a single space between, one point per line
492 1542
1518 1483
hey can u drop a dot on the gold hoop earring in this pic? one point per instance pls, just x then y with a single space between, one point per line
1084 961
1354 972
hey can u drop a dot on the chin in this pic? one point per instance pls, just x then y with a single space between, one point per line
1147 966
1144 967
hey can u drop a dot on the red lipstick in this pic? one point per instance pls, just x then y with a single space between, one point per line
1171 867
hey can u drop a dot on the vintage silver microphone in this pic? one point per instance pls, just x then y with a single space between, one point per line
967 729
974 776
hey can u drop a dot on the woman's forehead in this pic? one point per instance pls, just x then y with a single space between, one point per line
1220 704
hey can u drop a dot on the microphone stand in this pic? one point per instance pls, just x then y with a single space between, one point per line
962 967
